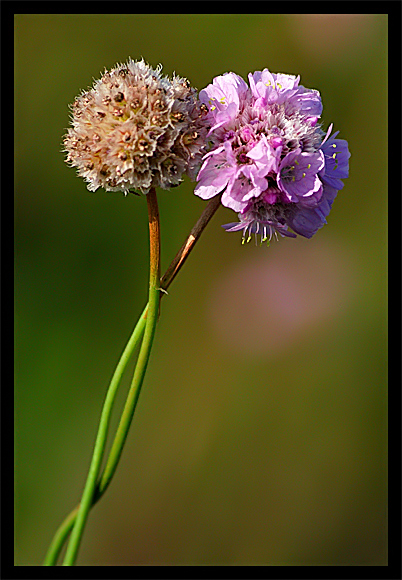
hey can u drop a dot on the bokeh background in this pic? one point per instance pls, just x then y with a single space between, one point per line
260 435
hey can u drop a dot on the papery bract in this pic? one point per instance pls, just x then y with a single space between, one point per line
136 129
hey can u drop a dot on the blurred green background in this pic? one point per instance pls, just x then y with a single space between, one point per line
260 435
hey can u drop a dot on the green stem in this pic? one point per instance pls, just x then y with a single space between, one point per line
64 529
139 373
143 357
121 434
60 537
132 398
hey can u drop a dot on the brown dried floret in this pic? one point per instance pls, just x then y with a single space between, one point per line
136 129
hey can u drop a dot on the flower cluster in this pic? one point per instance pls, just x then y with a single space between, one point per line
269 155
136 129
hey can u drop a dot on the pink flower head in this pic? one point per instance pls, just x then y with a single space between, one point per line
267 154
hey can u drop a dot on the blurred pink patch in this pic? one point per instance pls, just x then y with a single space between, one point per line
267 304
329 36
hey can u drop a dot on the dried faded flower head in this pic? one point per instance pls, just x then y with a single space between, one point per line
136 129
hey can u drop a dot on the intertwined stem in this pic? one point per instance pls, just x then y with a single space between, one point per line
122 430
139 373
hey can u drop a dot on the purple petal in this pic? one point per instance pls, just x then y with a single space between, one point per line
237 189
336 154
234 226
213 176
285 82
224 117
223 97
307 221
308 101
265 156
297 176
